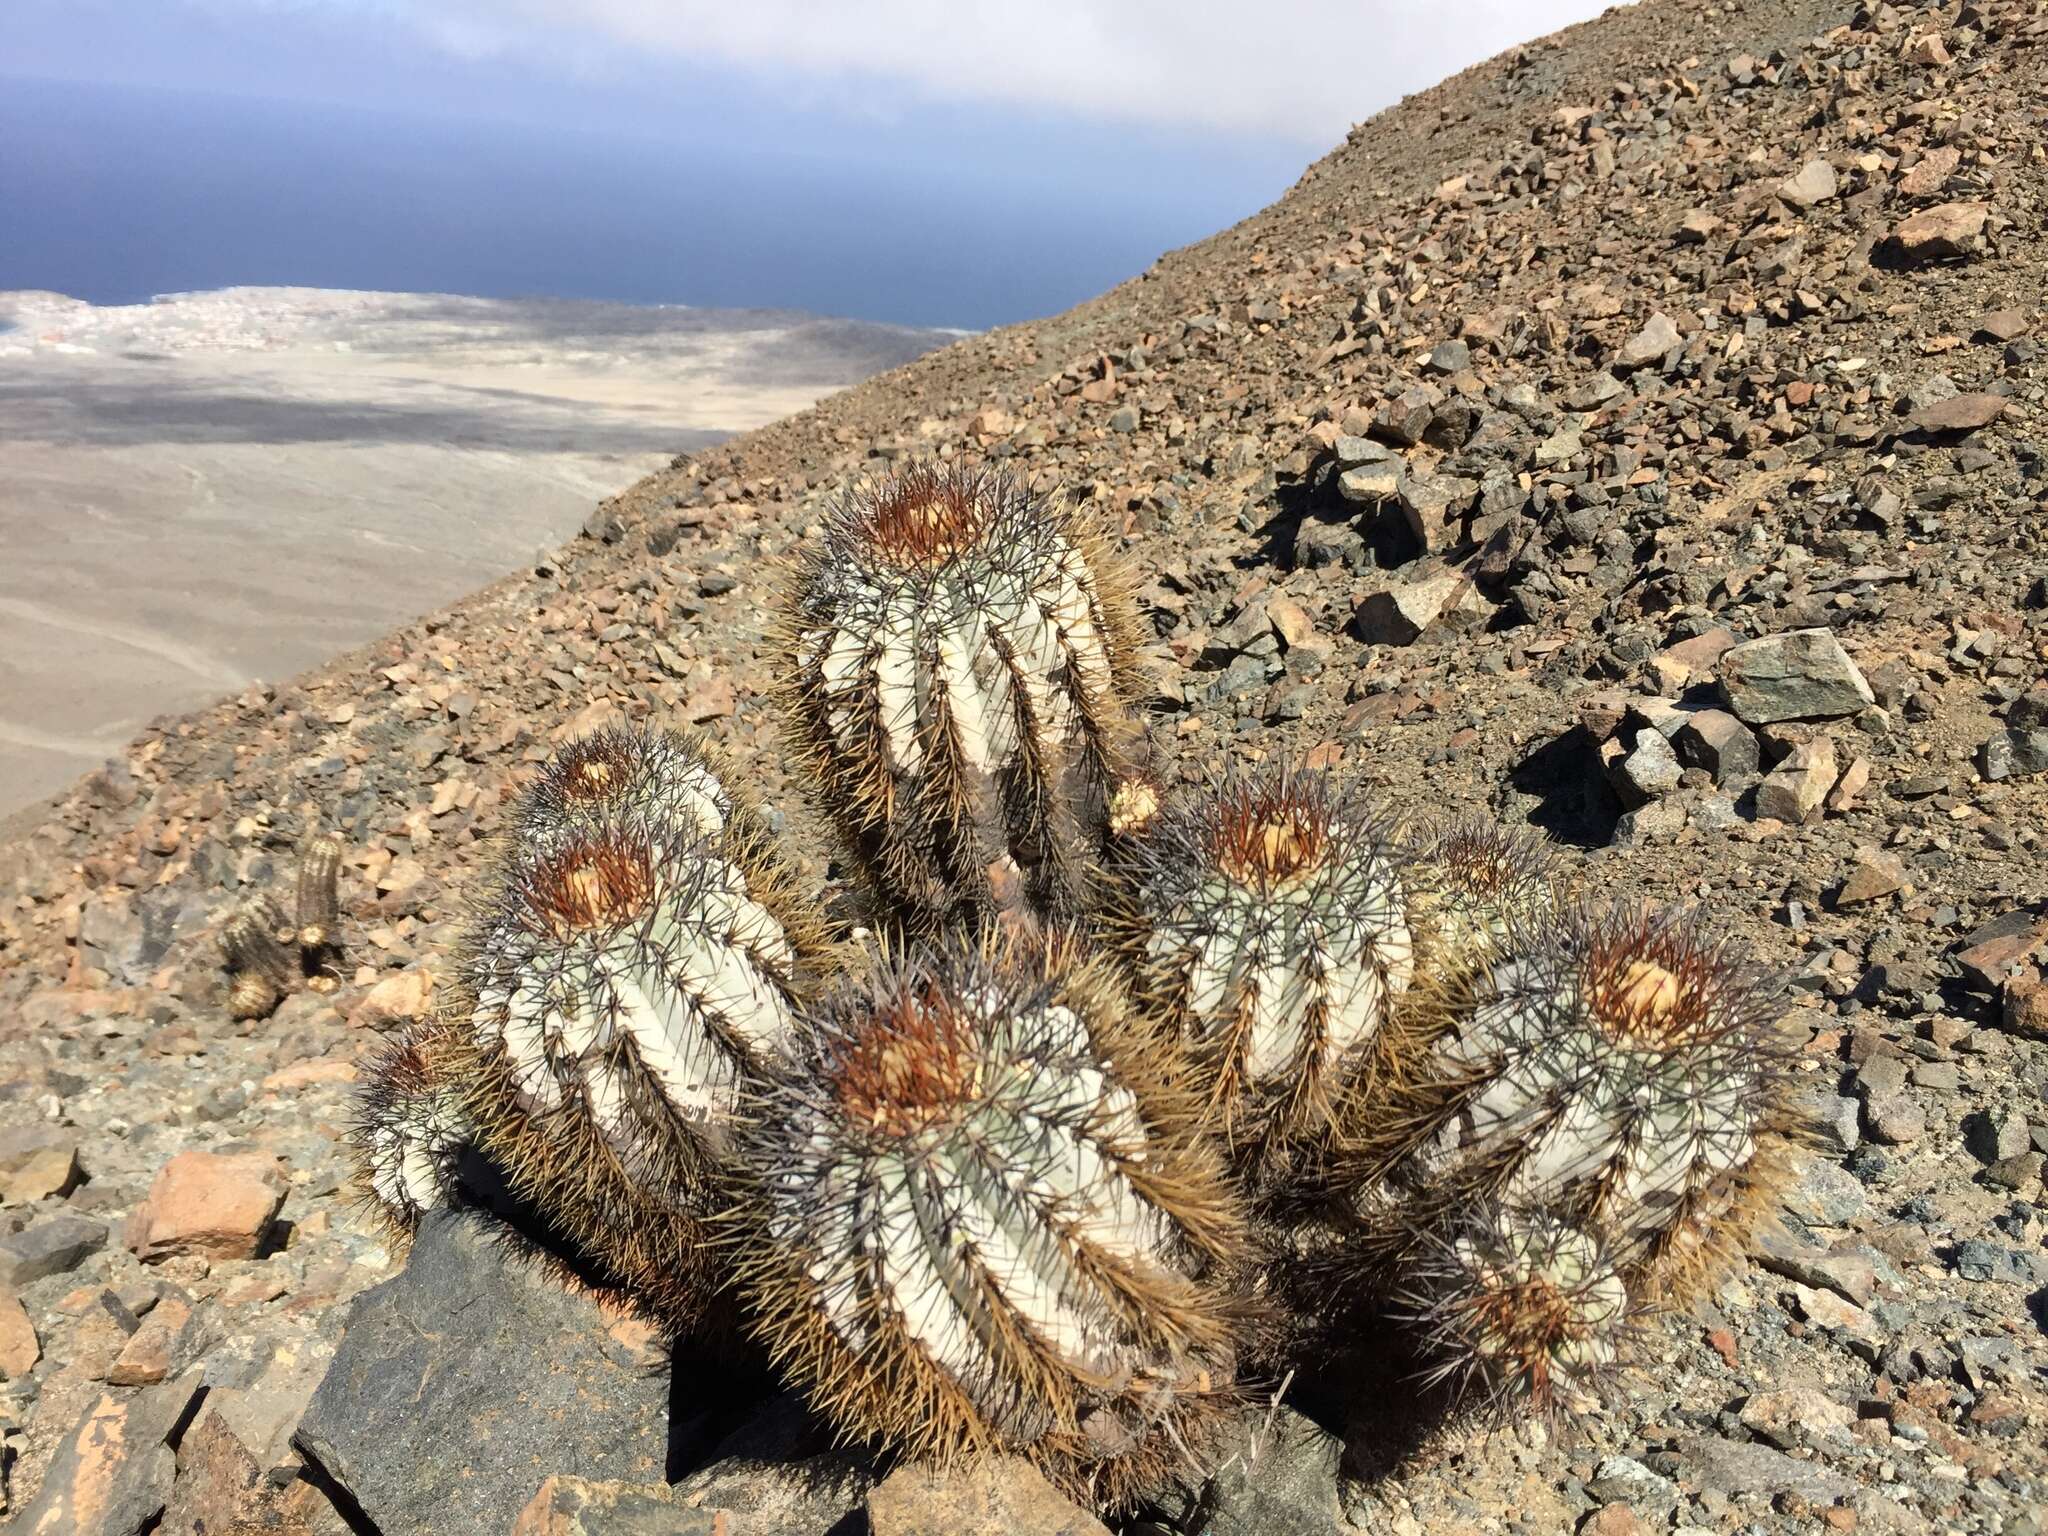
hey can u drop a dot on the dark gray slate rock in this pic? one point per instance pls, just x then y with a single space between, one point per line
464 1382
1802 674
1279 1473
53 1246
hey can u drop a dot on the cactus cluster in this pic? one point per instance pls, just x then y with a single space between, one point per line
1124 1094
269 953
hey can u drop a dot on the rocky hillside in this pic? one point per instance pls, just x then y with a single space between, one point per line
1640 436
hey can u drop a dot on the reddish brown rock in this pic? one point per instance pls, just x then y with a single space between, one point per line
991 1496
20 1349
219 1205
1960 413
579 1506
1940 233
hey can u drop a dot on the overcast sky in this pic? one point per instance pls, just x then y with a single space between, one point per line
1104 130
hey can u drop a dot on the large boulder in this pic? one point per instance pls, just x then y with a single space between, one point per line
465 1382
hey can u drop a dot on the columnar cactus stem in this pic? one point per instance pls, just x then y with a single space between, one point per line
319 899
980 1221
958 670
1270 934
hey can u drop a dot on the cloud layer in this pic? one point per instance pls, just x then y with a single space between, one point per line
1304 69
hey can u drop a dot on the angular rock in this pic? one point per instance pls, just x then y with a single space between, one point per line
1940 233
1959 413
1793 791
576 1506
1278 1472
1405 418
1745 1469
447 1349
781 1471
217 1204
979 1496
1991 950
1813 184
1649 345
1399 615
1873 872
20 1349
1795 1416
38 1161
1371 484
55 1245
1648 772
1803 674
1715 740
113 1472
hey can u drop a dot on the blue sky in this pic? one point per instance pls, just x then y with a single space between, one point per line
935 161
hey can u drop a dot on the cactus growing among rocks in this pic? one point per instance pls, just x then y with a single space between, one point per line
409 1128
982 1217
957 667
639 960
1522 1308
1618 1069
1270 933
260 967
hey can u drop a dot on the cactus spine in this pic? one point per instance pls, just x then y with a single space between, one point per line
1522 1308
1270 934
640 961
957 669
1619 1071
980 1220
409 1128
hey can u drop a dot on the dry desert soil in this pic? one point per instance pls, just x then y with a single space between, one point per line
1464 468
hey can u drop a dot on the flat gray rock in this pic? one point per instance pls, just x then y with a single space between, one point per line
467 1380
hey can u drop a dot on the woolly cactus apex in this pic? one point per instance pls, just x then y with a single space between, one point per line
666 780
981 1218
958 671
261 969
409 1128
1524 1308
1620 1069
1270 934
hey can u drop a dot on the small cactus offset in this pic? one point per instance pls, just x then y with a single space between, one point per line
319 895
1269 932
1619 1070
1471 886
957 667
1522 1309
409 1128
981 1221
660 778
640 962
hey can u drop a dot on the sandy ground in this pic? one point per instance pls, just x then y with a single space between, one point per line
224 486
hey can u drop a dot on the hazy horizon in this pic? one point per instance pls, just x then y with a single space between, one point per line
208 191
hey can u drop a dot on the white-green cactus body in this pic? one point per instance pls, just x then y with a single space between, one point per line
1525 1306
684 992
994 1220
954 674
1614 1069
1274 936
660 781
